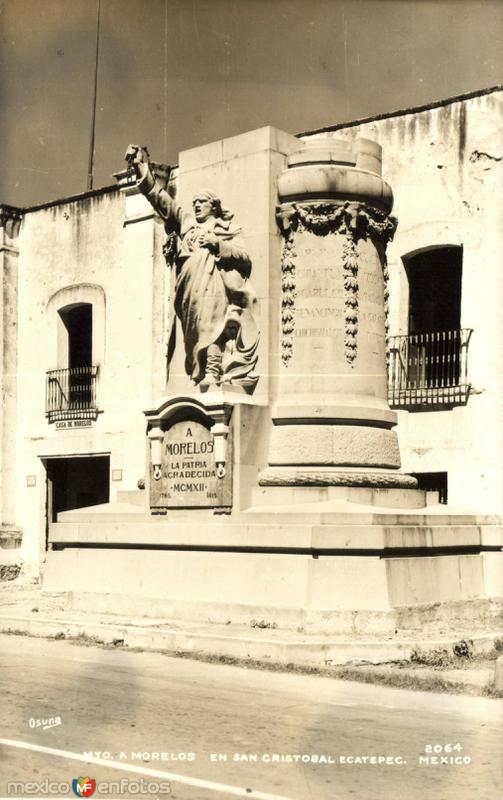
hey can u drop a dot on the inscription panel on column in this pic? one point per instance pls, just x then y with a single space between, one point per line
319 303
189 477
320 300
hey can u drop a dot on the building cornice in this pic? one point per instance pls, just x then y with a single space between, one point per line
405 111
72 198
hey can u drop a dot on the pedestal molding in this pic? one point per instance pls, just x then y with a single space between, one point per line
284 476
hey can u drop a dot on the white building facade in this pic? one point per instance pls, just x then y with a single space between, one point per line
445 322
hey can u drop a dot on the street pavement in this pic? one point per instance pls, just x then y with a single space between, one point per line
206 731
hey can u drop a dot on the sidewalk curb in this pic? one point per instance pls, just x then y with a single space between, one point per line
304 653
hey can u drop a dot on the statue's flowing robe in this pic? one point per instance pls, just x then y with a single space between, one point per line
210 289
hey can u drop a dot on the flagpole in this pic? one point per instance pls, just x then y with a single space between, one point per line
90 169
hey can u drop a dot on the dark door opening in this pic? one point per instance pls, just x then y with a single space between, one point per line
76 482
78 321
434 349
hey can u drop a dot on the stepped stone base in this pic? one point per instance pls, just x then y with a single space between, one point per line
329 495
327 567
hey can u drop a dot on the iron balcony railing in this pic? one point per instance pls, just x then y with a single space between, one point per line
72 393
428 369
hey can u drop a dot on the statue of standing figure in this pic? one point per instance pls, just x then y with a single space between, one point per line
213 298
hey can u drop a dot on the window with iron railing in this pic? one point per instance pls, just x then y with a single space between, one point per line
72 390
428 370
72 393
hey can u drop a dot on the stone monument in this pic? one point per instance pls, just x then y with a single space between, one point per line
273 482
212 297
331 423
215 304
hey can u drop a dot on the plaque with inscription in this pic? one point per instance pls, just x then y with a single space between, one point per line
188 471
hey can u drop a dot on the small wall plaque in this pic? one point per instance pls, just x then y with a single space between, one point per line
66 424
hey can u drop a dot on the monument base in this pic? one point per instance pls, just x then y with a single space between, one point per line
326 568
330 496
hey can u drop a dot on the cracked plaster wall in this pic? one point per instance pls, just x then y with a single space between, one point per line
445 166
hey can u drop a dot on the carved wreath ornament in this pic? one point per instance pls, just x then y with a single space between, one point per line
355 221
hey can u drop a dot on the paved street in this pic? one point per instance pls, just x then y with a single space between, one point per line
184 723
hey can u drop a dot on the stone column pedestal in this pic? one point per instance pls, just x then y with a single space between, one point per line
332 424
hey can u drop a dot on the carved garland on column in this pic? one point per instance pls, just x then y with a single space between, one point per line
353 220
288 295
350 264
382 231
385 272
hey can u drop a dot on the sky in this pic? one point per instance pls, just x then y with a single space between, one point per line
175 74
